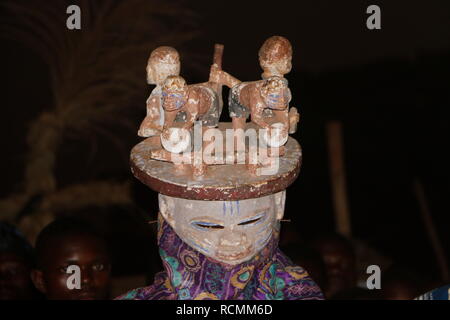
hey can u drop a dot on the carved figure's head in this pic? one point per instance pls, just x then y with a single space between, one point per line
275 56
163 62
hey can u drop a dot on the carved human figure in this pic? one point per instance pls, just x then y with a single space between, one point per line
163 62
186 104
275 58
254 98
265 100
196 101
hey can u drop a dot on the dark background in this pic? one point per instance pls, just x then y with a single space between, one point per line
388 87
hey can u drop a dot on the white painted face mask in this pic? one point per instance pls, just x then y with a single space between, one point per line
231 232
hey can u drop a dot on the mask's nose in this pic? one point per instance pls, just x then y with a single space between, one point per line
232 239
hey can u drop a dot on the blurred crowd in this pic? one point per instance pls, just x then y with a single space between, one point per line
42 272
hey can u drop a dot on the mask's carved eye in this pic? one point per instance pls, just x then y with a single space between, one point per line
206 225
248 222
251 220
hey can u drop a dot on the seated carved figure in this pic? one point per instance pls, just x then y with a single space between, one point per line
196 102
265 100
254 98
183 105
163 62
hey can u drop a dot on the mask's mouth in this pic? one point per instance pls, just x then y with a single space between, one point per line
230 255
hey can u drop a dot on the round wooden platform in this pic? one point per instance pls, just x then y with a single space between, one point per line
222 182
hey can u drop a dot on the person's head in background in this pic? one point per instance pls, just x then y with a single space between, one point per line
340 262
66 242
309 259
16 262
400 283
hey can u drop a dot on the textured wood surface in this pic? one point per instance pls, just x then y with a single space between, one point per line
222 182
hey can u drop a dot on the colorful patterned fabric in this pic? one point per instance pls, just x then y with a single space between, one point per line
190 275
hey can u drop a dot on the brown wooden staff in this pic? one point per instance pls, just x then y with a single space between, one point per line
217 64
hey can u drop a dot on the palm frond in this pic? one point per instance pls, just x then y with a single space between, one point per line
94 72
